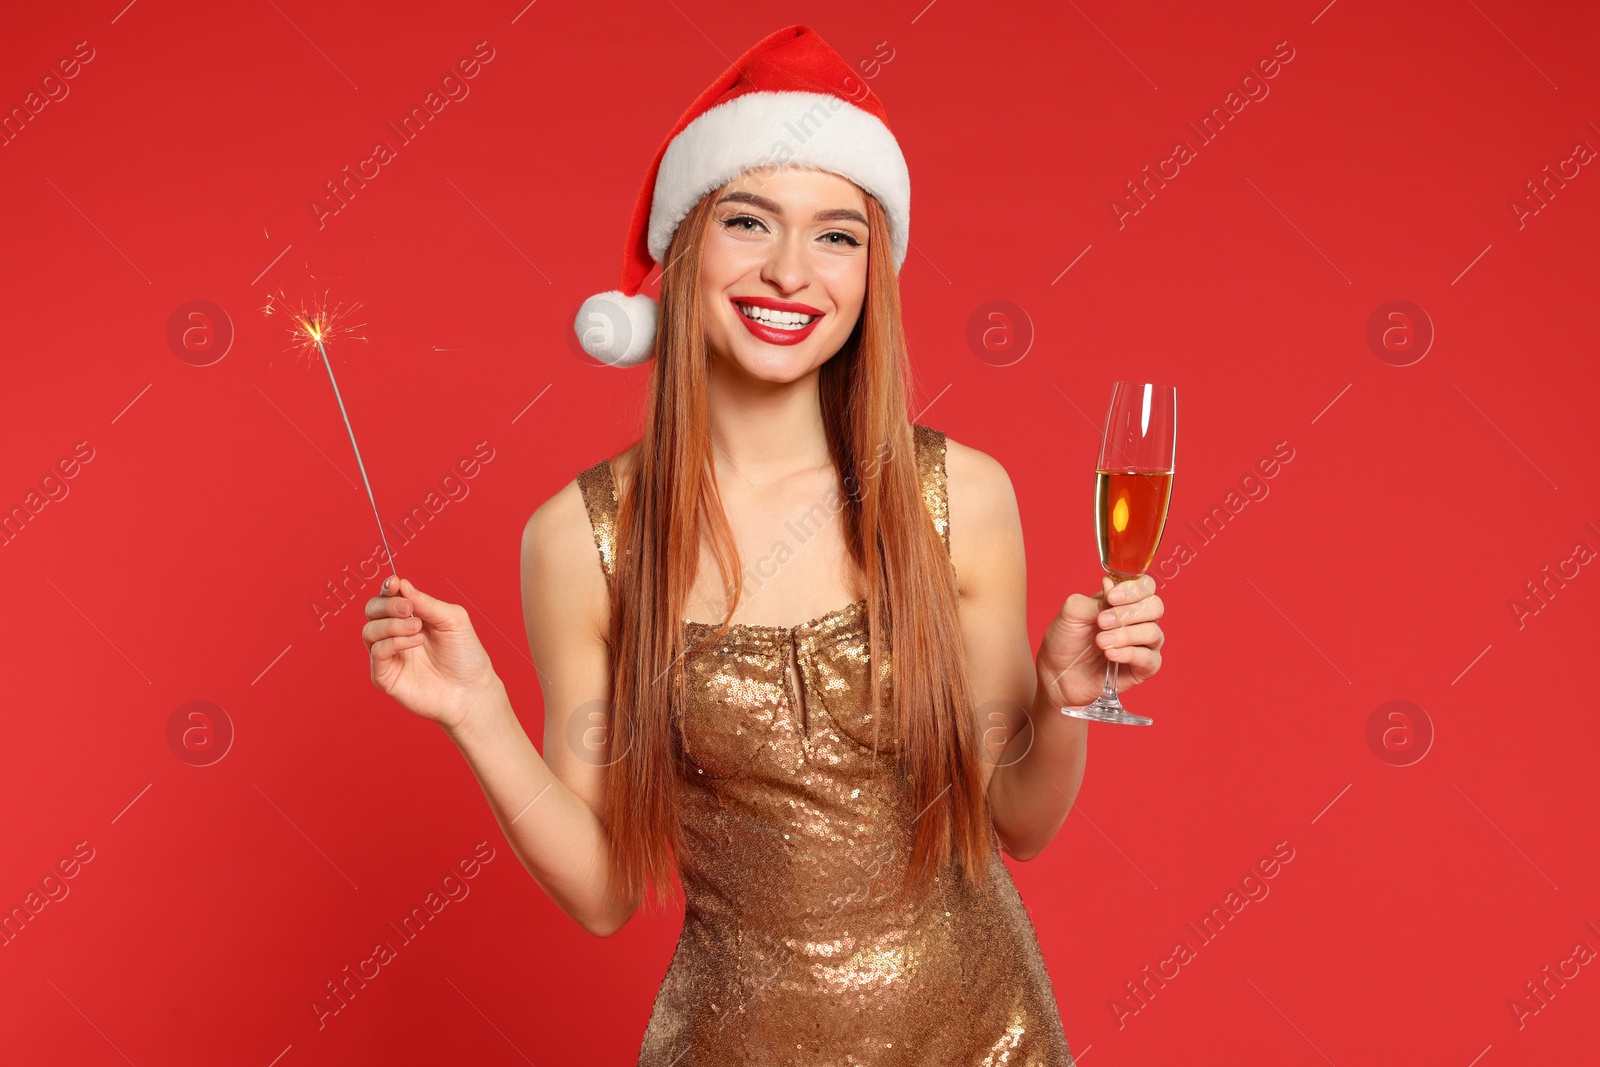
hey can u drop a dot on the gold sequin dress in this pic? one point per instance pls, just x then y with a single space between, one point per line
795 837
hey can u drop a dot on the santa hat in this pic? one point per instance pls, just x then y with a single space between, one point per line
790 99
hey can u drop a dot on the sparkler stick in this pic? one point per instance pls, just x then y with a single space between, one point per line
310 330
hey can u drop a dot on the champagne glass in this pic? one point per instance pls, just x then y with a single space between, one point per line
1133 485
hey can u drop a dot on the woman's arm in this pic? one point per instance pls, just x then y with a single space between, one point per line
553 832
549 808
1034 756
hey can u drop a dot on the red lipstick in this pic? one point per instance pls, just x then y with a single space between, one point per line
776 305
772 334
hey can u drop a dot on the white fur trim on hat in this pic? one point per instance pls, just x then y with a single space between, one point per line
769 129
617 329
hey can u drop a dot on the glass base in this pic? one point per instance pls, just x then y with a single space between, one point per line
1103 710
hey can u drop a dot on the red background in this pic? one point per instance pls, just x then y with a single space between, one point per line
182 563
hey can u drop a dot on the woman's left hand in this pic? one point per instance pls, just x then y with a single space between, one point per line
1118 624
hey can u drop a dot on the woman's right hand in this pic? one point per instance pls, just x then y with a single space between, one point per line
425 654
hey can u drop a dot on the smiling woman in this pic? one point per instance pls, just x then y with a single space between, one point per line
757 258
807 762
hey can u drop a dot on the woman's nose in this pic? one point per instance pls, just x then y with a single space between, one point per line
788 267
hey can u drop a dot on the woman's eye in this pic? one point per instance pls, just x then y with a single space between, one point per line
751 224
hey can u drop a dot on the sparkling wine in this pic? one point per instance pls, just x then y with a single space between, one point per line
1130 512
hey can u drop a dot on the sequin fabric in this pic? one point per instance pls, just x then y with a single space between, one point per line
795 836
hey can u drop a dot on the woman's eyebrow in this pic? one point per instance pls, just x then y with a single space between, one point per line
768 204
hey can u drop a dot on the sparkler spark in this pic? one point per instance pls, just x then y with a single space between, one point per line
317 324
313 328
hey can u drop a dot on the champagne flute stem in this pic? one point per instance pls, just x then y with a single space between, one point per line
1109 690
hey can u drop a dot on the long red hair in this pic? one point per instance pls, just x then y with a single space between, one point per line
910 585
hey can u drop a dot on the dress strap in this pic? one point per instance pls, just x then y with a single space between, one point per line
930 445
599 487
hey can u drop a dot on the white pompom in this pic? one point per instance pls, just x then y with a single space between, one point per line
617 329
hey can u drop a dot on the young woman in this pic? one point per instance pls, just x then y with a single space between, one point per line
782 639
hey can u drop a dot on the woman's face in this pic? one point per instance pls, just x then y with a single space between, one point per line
788 245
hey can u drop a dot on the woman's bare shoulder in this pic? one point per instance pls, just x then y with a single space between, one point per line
561 564
985 525
978 479
560 528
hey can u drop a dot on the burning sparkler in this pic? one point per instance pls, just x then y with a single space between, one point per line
313 328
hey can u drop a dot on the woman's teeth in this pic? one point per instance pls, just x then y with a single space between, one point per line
783 320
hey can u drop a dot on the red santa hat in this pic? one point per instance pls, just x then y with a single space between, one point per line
791 99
